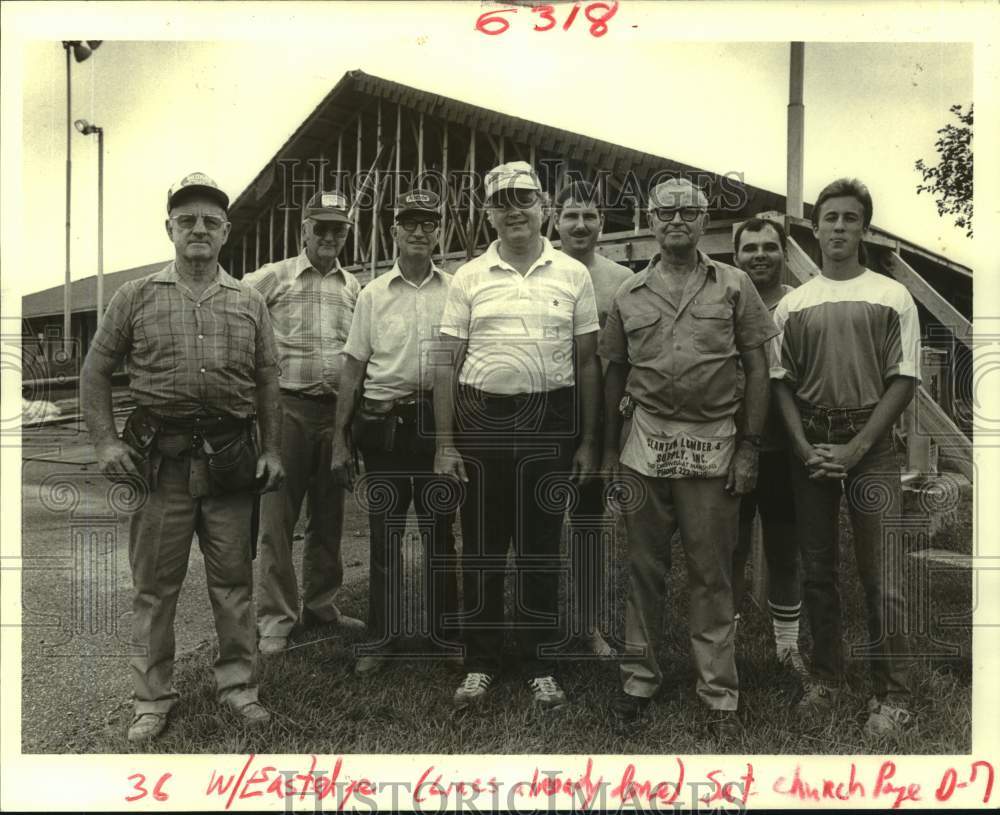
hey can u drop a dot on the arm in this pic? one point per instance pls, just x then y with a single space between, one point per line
742 475
614 389
588 388
270 471
803 450
448 362
114 458
352 377
843 457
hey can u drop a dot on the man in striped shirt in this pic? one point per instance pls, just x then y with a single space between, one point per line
843 368
311 301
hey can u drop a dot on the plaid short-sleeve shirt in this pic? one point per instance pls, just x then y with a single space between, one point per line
188 355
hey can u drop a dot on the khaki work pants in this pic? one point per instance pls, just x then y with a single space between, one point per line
707 517
306 449
159 548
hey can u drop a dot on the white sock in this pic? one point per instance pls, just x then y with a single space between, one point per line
785 620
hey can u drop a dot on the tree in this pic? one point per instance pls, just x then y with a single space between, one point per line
950 181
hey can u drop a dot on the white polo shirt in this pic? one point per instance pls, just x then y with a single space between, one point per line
395 326
520 329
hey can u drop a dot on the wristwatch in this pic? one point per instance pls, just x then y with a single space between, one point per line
754 439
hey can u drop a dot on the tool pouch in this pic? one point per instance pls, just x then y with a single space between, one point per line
140 432
374 428
231 461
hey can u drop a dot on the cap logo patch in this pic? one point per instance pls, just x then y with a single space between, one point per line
197 178
418 198
330 199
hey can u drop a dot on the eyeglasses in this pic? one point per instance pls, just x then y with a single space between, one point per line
426 226
188 222
689 214
337 229
514 199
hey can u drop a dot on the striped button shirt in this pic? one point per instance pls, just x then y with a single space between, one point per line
189 355
311 313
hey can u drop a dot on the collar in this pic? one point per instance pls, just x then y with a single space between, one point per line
302 263
704 263
494 260
168 274
396 272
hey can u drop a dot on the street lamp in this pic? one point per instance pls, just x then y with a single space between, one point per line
80 51
87 129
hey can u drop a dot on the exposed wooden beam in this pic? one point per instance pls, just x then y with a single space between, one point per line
925 294
931 420
357 175
270 235
799 263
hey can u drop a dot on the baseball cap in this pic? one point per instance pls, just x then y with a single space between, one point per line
196 183
327 206
514 175
419 202
677 191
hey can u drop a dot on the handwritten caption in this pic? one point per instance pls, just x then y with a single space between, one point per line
332 787
495 22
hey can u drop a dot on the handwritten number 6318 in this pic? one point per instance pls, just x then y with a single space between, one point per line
492 23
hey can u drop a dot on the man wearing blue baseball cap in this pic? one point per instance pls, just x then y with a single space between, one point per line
311 300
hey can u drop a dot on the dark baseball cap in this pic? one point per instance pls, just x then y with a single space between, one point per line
328 206
196 183
418 202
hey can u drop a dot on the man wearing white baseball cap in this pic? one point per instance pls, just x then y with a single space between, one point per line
513 321
311 300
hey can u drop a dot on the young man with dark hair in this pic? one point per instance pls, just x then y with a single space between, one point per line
843 369
579 222
759 250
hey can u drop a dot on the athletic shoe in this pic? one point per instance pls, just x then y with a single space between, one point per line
791 660
817 697
887 720
547 692
472 690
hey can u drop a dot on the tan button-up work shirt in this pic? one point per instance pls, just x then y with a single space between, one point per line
684 356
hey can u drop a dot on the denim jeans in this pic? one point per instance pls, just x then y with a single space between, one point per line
873 492
517 452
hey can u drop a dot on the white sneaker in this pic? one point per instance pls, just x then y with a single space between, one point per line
547 692
472 690
886 720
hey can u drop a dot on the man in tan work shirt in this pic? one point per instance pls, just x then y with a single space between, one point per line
311 300
674 340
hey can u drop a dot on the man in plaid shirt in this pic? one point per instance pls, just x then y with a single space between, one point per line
201 360
311 300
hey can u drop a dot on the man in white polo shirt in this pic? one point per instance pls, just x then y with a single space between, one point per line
395 325
514 319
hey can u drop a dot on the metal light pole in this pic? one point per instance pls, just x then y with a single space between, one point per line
796 127
87 129
80 51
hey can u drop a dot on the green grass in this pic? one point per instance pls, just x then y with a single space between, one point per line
320 706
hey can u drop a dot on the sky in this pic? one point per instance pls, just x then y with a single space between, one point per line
220 92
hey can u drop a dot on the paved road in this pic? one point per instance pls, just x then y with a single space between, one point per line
76 591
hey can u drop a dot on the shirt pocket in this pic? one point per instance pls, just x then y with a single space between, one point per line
713 328
642 333
239 335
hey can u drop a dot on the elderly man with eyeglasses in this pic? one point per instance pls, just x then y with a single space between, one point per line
515 319
201 361
674 341
311 300
386 413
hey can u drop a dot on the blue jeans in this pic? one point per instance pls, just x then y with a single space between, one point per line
874 499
